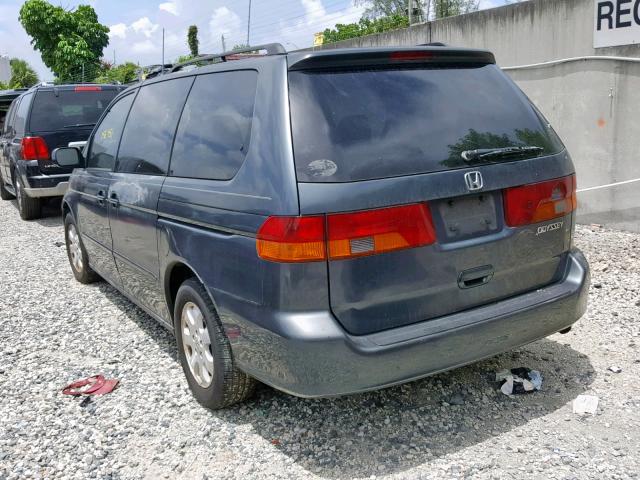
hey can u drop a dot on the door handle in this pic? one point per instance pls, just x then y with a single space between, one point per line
113 200
101 198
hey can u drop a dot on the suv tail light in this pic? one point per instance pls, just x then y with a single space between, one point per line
345 235
88 88
538 202
34 148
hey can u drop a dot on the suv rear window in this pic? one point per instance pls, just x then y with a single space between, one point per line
67 108
377 123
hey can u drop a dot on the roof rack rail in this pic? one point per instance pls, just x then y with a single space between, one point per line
271 48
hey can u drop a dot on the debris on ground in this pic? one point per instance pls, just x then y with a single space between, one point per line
96 385
584 404
614 369
519 380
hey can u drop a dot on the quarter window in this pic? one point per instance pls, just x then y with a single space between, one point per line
213 136
104 146
21 114
148 134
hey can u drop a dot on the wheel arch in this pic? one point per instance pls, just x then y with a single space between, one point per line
175 275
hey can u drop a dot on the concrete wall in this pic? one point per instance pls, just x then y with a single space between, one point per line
593 104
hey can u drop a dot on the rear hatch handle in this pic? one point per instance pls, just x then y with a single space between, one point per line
474 277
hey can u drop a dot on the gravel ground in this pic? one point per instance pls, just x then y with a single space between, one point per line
54 330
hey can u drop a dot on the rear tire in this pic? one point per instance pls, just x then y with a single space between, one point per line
78 258
29 208
213 377
4 193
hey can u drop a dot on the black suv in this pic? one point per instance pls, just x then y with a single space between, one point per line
42 119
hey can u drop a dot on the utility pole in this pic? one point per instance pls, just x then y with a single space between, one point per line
410 11
249 23
224 48
114 57
162 68
83 73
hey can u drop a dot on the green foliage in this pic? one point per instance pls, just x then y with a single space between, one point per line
366 26
4 86
192 40
123 73
384 8
239 46
183 58
66 39
449 8
22 75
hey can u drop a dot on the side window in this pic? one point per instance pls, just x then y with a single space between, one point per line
104 145
10 114
148 134
213 136
20 118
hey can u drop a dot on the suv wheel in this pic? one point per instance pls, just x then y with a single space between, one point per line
4 193
78 258
204 350
29 208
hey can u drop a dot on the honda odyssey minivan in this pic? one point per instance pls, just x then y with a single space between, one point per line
330 222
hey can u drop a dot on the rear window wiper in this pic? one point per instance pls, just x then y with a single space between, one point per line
485 153
76 125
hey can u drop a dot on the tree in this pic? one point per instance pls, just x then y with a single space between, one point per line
383 8
22 75
364 27
123 73
68 40
192 40
449 8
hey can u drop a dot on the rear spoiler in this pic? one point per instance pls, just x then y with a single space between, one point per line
359 57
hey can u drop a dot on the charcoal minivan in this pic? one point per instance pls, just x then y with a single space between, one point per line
330 222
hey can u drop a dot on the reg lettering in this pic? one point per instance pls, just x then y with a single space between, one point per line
618 13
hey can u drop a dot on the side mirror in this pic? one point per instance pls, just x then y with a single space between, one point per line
68 157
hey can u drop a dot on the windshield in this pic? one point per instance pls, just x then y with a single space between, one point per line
67 109
367 124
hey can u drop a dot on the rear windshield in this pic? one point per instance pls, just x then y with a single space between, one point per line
368 124
67 109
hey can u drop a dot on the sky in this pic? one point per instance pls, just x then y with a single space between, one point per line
136 25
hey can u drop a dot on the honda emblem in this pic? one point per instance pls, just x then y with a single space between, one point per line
473 181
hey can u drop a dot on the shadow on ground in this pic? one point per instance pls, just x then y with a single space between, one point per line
403 427
51 214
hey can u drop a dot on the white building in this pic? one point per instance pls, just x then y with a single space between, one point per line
5 69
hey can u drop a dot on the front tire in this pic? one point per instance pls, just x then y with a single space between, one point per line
78 258
29 208
205 352
4 193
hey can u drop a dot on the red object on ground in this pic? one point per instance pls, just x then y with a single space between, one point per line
97 385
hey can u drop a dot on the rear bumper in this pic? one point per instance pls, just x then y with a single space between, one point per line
310 355
46 185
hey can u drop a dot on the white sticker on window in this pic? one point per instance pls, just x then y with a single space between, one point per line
322 168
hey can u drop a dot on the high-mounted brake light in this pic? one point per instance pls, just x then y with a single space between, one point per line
410 56
87 88
345 235
34 148
539 202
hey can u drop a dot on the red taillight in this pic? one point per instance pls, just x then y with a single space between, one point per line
539 202
377 231
292 239
34 148
347 235
87 88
